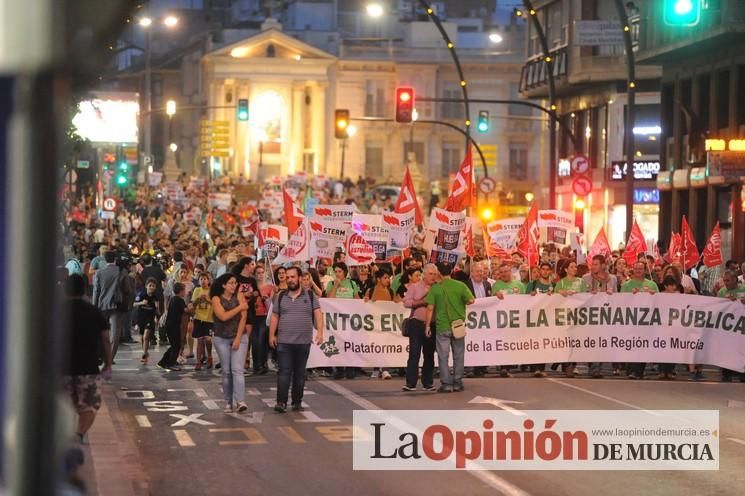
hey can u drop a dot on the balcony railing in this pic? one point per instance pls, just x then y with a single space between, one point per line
534 73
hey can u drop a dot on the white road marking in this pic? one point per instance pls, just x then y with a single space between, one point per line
249 418
192 418
608 398
735 440
499 484
143 421
312 418
211 404
183 438
499 403
199 392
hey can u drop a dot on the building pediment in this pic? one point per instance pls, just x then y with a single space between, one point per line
269 44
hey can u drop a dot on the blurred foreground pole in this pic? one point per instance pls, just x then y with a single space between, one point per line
30 48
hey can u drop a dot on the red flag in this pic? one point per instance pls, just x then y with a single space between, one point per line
293 215
527 237
600 246
657 257
674 250
469 244
407 199
493 249
689 249
635 245
255 227
461 192
713 249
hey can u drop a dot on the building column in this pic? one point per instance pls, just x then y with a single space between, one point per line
320 132
738 223
677 130
297 138
734 98
675 211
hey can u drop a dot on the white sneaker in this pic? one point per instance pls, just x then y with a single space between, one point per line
386 375
375 375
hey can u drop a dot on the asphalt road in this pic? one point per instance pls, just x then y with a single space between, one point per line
187 445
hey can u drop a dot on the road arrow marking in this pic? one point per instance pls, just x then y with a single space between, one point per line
499 403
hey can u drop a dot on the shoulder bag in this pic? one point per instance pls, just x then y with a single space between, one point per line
457 326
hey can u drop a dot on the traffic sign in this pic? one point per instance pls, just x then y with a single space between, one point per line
579 164
68 174
109 204
83 164
147 159
487 185
582 185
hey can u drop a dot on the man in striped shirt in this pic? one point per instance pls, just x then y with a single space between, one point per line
294 314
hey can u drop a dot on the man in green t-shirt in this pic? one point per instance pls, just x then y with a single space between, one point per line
543 284
447 301
505 284
638 283
732 291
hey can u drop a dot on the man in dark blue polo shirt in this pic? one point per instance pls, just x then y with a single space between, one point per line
294 314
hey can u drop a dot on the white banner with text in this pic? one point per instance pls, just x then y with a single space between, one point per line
522 329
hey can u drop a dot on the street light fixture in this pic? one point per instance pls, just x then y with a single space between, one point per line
170 108
351 130
374 10
495 38
173 147
145 22
170 21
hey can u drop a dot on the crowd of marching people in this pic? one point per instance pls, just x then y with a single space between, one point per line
154 278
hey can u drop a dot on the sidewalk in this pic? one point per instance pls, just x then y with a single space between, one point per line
112 463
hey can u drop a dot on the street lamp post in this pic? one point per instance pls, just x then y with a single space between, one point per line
351 131
147 23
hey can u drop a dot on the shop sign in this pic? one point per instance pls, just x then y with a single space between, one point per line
730 165
643 170
646 196
565 167
665 181
698 177
680 179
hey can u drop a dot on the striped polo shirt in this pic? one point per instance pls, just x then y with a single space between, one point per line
295 317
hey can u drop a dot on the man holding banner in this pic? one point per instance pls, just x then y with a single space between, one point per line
637 284
447 301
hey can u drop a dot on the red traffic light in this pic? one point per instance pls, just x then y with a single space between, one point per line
404 104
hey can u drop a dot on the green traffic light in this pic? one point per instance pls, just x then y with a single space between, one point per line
682 12
121 180
242 115
123 166
483 127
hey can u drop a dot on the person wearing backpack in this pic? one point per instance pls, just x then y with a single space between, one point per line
294 314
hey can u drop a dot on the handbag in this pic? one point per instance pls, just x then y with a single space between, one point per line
457 326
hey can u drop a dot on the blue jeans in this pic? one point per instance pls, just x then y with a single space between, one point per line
420 344
259 343
233 362
292 361
445 341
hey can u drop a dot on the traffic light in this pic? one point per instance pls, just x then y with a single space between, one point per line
681 12
404 104
243 109
483 124
579 214
123 166
341 123
122 179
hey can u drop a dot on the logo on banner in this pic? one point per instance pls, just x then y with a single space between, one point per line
358 250
329 347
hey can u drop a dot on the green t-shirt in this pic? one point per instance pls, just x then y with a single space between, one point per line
346 290
632 284
539 287
396 283
449 298
514 287
577 285
738 292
